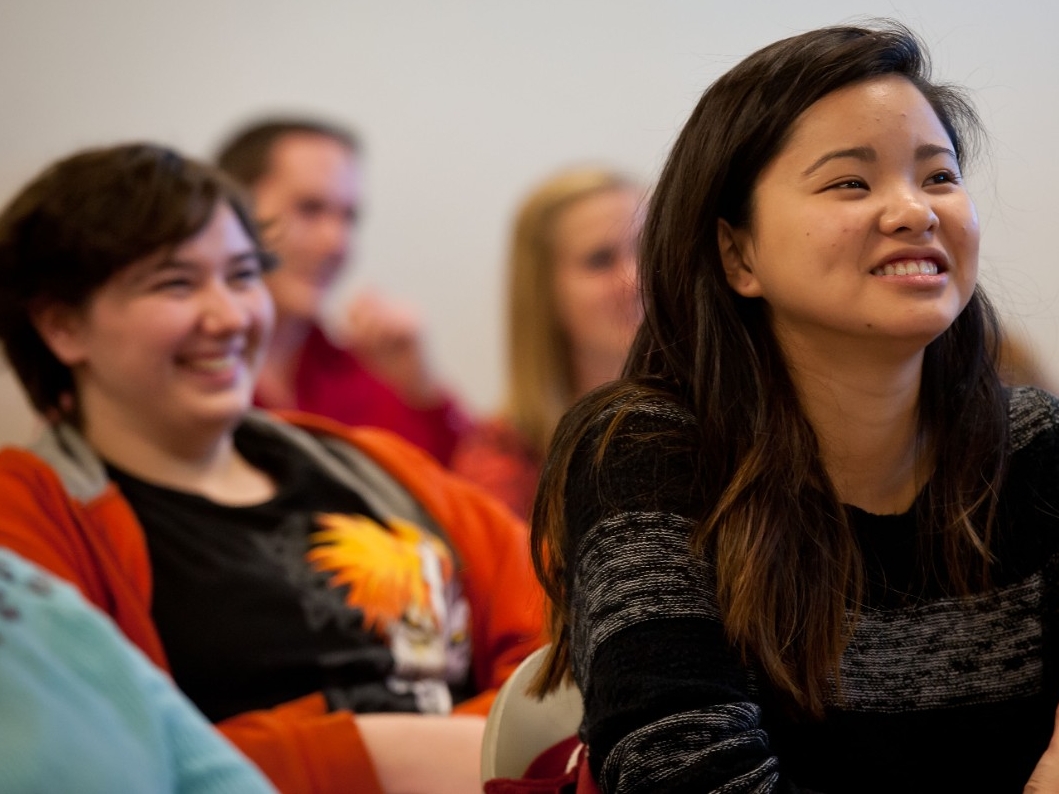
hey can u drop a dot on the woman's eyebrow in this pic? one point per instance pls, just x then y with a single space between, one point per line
867 154
928 150
176 263
864 153
151 267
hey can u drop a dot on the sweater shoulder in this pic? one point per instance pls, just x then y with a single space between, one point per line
1033 415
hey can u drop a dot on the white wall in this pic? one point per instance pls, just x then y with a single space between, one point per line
465 104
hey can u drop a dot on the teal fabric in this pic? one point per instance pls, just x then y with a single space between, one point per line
81 710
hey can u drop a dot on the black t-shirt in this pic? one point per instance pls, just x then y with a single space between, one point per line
306 592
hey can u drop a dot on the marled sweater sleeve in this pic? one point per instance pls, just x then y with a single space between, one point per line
667 707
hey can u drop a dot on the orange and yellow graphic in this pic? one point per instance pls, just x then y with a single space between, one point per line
394 575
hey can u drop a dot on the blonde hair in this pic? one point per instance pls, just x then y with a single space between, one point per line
540 372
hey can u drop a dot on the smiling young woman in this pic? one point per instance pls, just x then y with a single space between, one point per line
164 355
338 604
853 244
807 541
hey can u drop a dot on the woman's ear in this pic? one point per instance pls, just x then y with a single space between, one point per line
62 329
736 258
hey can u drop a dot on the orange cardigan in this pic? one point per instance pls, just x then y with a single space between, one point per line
61 512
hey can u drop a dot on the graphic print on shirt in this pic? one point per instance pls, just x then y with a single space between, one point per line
400 579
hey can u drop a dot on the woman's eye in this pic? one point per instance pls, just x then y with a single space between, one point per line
851 184
246 274
600 260
245 270
943 177
173 284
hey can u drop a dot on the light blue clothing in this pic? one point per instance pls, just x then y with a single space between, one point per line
82 710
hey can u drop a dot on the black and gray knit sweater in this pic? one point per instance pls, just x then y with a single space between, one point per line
939 694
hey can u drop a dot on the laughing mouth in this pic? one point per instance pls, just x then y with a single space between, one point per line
213 363
912 267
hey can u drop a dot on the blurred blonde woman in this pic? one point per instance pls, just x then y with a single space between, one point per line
573 309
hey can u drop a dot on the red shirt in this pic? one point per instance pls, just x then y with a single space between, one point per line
496 456
332 382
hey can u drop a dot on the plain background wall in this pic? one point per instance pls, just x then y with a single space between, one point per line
465 105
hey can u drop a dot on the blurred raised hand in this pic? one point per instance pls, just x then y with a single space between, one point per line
387 336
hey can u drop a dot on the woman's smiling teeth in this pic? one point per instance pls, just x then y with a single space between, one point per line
212 363
912 267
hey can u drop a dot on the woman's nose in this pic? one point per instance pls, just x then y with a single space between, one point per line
223 311
909 210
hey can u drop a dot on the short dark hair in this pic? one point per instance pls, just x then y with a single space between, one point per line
82 220
245 155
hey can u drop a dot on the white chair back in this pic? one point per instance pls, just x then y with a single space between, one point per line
520 727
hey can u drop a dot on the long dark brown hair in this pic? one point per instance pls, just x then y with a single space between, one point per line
789 570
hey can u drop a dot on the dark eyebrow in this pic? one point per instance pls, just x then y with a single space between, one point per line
243 256
184 264
928 150
164 264
865 153
159 264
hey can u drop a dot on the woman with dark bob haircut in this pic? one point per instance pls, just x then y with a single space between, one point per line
808 542
339 605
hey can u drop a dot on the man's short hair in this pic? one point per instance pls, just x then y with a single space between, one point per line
245 156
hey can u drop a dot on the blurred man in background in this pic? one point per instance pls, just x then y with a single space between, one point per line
304 177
